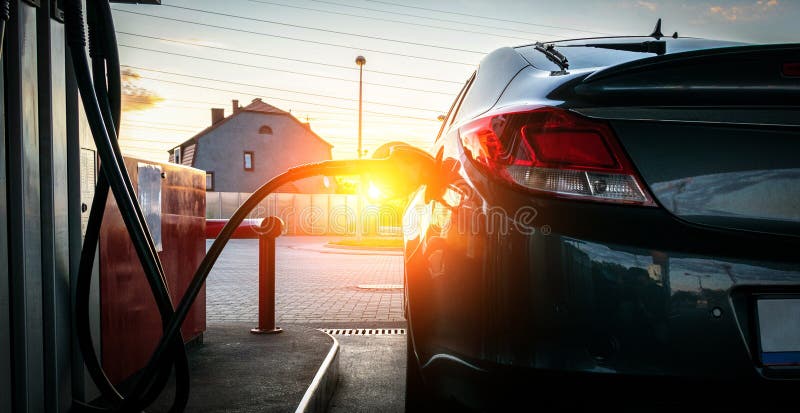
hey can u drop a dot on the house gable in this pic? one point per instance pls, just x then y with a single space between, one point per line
256 106
221 148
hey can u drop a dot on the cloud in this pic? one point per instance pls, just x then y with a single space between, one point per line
647 5
745 12
135 97
731 13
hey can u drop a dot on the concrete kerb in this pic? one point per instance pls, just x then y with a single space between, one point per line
320 392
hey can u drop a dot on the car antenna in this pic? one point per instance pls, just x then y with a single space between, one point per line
657 31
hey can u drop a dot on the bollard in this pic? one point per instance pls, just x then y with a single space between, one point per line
270 229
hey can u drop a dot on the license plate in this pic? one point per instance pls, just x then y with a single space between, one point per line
779 331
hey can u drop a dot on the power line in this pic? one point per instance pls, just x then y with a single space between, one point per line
195 127
293 38
135 143
273 88
285 90
347 112
365 36
433 18
127 150
391 20
143 148
155 146
273 69
283 99
125 125
348 118
145 141
141 122
247 52
484 17
344 144
159 105
254 94
316 115
199 102
138 98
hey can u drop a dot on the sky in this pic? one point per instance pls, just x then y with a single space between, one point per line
186 56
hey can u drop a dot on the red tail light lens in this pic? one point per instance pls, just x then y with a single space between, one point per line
554 151
791 69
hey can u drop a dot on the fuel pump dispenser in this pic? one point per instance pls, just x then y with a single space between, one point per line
46 341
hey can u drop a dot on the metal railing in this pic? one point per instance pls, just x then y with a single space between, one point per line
312 214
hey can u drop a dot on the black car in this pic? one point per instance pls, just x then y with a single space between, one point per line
618 222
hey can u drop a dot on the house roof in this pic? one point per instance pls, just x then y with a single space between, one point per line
256 106
259 106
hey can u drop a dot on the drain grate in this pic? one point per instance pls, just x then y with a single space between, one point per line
364 331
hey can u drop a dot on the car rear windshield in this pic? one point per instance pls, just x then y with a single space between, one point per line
589 57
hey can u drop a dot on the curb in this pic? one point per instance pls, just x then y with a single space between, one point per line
320 392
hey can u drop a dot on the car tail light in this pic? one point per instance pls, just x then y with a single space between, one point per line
554 151
791 69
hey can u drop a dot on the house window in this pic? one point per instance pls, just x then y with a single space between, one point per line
248 160
209 181
265 130
177 155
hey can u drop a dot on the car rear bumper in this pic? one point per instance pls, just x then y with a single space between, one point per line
499 387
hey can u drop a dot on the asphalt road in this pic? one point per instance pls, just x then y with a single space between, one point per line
372 374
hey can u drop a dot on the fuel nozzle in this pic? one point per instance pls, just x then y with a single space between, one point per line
405 169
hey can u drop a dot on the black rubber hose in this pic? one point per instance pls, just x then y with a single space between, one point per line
88 252
107 89
100 47
113 173
5 14
113 170
107 67
83 286
114 75
99 50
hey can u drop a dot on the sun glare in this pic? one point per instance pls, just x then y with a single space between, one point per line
373 192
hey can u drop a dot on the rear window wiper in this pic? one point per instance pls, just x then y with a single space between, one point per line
658 47
549 50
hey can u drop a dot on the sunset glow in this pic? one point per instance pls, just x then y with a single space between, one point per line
373 192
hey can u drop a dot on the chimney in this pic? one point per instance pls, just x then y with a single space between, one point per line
235 106
217 114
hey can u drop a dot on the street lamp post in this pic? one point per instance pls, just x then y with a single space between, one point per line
360 61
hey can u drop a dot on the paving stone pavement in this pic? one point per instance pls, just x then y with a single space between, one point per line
313 285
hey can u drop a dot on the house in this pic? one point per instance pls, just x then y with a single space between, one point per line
255 143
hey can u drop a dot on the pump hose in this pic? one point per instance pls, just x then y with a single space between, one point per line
104 121
5 15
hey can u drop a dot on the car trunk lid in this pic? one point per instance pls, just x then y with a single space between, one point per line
714 134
